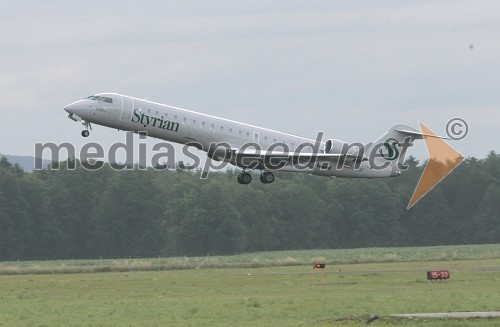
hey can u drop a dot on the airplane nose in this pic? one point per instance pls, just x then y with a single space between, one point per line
75 110
70 108
77 107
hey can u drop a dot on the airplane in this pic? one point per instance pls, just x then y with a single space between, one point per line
246 146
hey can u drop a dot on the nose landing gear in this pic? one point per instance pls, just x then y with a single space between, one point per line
85 132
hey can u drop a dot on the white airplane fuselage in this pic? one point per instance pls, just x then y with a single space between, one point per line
184 126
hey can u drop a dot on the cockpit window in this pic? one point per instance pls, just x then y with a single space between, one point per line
99 98
106 99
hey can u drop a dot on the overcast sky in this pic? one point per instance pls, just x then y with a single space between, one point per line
349 68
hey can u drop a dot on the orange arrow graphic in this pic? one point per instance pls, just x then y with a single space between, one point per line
443 159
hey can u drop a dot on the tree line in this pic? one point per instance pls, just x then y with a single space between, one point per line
71 214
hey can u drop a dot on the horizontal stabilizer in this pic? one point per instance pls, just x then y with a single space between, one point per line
419 135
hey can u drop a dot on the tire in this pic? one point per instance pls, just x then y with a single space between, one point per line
267 177
246 178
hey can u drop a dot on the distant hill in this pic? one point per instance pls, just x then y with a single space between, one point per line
27 163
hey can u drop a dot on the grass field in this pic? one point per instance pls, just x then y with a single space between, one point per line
296 295
260 259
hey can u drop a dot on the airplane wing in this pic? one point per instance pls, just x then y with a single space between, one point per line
277 159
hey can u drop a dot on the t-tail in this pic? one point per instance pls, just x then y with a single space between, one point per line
389 150
379 159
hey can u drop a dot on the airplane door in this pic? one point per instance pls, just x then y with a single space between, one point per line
127 109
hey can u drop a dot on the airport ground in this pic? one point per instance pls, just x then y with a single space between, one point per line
295 295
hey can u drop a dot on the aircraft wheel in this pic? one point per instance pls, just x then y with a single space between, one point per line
244 178
85 133
267 177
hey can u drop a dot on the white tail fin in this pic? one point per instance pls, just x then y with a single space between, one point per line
393 144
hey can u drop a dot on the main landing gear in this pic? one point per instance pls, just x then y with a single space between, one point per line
85 132
266 177
244 178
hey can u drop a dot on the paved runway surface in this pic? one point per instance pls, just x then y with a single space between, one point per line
337 272
450 315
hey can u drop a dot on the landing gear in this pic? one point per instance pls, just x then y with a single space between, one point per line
244 178
267 177
85 132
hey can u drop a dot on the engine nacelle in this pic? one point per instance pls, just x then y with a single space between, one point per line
340 147
334 146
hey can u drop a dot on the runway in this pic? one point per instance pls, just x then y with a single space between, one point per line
358 272
490 314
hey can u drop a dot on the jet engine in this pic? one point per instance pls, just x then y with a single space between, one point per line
334 146
340 147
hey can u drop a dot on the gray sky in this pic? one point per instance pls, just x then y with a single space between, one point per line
349 68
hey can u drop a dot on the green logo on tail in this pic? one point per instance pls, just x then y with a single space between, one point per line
389 150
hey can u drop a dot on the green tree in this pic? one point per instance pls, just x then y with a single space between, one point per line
484 227
370 216
128 216
205 221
